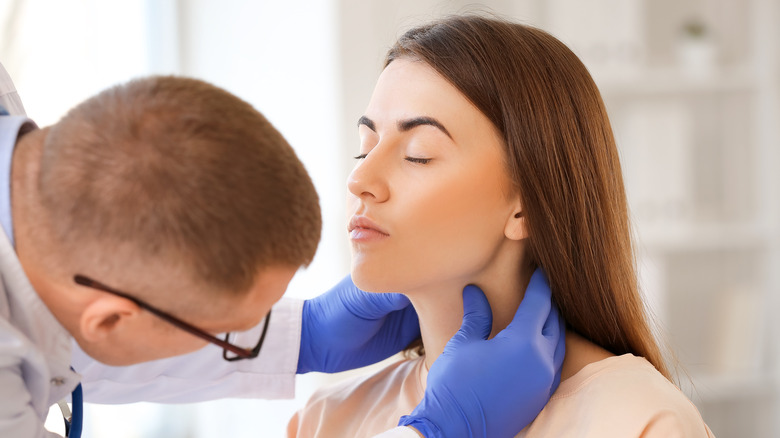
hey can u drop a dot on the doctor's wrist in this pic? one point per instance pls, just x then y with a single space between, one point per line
304 353
424 427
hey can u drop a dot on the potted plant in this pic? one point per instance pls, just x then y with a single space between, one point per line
696 50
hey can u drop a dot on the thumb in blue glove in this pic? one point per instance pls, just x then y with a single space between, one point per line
347 328
494 388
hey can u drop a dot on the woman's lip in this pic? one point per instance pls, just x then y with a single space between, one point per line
364 225
365 235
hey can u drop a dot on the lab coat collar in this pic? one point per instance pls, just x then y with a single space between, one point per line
11 128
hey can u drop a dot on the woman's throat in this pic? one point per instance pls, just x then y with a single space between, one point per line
441 313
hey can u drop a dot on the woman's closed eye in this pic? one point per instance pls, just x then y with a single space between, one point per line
418 160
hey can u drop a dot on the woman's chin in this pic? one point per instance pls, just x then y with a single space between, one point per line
372 283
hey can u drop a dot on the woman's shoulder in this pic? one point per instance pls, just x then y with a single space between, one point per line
621 396
620 378
359 405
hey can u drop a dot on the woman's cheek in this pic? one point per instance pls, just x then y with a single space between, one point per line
453 232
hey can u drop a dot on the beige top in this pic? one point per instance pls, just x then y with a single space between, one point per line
620 397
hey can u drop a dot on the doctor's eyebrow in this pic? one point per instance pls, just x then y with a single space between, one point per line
408 124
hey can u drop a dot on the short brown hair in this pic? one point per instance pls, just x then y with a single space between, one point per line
176 167
563 161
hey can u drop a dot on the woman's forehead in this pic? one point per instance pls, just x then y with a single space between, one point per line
409 88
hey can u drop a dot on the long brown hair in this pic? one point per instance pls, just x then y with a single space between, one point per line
562 159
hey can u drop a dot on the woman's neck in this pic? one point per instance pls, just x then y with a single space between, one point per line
440 306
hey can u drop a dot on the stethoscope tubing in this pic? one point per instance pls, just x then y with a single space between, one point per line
76 422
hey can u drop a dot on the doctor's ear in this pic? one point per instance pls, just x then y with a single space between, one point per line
104 316
515 228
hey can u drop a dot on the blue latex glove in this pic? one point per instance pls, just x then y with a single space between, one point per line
494 388
346 328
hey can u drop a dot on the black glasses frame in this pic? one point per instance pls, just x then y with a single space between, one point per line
240 352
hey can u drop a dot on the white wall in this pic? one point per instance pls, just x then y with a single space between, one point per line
59 53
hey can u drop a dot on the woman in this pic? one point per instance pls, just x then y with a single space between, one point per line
486 152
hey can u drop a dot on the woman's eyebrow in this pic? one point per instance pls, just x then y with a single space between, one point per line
408 124
363 120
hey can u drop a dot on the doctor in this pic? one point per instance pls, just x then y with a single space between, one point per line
163 211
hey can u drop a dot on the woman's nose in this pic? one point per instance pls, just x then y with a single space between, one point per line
368 180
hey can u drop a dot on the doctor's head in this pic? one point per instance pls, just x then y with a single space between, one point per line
178 194
487 141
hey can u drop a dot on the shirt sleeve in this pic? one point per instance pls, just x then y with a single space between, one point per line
204 374
674 424
9 98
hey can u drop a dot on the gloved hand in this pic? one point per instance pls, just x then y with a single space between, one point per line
494 388
347 328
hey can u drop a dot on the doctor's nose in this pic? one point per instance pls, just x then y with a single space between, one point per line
368 180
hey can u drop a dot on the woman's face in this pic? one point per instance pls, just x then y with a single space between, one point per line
429 198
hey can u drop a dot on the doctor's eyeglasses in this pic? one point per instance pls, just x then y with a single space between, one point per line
230 352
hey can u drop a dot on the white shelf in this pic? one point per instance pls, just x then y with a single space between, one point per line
674 82
702 237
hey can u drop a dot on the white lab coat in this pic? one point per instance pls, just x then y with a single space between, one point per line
9 98
36 354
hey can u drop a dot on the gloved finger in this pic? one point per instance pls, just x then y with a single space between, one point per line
560 348
477 316
410 326
552 325
369 305
534 310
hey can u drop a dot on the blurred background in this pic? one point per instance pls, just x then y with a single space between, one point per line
693 92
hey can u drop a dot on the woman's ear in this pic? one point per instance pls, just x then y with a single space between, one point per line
515 228
103 316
